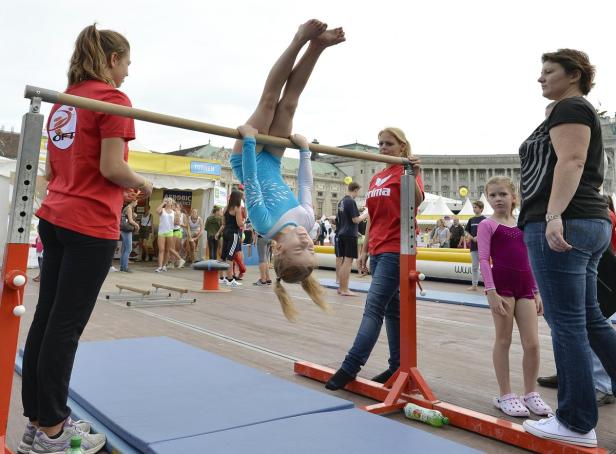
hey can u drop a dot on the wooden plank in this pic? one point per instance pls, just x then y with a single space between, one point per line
170 287
133 289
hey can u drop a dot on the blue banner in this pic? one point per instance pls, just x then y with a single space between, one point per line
204 168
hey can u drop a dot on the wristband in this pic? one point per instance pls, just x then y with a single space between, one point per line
551 217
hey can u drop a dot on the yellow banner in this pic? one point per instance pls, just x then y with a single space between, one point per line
174 165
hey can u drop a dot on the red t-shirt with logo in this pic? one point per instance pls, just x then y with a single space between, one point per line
383 202
79 198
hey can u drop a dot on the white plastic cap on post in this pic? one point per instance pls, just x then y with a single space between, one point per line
18 311
421 276
19 280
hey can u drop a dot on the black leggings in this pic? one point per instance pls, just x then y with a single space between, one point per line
74 269
212 245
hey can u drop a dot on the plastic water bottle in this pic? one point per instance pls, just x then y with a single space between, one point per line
433 417
75 446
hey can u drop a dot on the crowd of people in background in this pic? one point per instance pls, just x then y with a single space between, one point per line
181 238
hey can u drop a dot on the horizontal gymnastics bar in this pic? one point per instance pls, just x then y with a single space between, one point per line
54 97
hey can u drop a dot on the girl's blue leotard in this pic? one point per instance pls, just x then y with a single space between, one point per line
270 202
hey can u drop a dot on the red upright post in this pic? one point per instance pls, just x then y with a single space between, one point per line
16 256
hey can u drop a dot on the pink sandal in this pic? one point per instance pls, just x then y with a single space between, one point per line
511 405
535 403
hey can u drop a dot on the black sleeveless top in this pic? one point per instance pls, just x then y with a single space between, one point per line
231 223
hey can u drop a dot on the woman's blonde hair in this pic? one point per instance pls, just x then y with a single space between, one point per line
504 180
91 58
293 273
401 138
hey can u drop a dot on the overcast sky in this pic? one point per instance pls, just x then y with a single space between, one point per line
458 77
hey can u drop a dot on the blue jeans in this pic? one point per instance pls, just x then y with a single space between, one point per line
603 382
568 285
383 301
127 247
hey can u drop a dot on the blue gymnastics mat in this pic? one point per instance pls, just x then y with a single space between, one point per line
114 443
150 390
477 299
340 432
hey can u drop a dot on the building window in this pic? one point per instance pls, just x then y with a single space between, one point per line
319 193
334 195
373 171
361 170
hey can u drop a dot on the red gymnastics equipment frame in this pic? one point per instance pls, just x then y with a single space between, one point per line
407 384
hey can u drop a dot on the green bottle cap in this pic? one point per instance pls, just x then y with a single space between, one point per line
445 420
76 442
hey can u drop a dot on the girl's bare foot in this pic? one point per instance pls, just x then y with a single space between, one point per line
330 37
310 30
347 293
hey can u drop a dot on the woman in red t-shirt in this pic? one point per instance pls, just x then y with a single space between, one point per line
382 241
79 226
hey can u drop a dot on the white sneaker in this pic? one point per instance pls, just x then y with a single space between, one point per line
235 283
159 270
221 280
182 263
164 268
113 269
552 429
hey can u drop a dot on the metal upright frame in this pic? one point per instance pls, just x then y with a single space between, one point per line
16 255
407 384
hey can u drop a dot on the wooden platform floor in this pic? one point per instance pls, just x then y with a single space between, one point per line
247 326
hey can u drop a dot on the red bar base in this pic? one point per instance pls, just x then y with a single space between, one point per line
410 387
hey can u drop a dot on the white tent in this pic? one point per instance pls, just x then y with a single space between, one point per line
487 208
467 208
430 199
436 210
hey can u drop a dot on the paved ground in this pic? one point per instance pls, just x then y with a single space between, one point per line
247 326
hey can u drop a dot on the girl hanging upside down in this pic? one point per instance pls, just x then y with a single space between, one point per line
274 210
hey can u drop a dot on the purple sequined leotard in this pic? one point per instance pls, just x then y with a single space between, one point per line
510 273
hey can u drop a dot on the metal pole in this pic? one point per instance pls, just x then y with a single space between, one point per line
178 122
408 300
16 255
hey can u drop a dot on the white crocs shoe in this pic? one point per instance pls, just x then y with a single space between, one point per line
511 405
535 403
551 429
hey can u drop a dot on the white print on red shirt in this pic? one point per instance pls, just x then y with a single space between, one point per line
380 181
62 127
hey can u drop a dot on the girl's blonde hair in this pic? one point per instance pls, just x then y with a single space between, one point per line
400 137
504 180
91 58
292 273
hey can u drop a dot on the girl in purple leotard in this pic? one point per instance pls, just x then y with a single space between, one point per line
512 294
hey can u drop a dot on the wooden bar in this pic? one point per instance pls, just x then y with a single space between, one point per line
193 125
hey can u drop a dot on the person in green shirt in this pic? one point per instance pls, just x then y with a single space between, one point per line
212 225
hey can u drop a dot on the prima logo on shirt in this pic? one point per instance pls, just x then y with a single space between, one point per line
377 192
62 127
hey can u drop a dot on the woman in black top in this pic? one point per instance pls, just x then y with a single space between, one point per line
566 229
232 224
